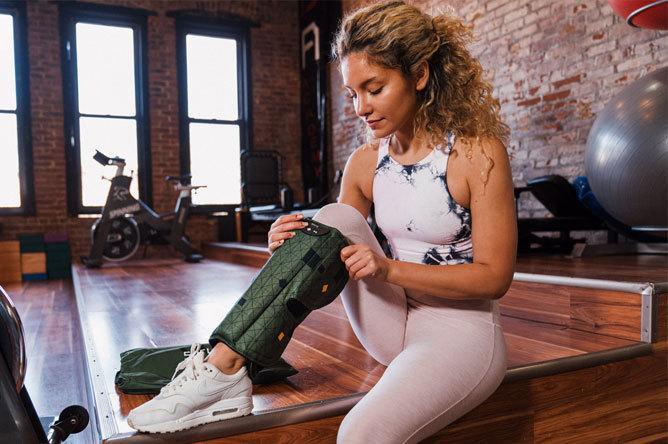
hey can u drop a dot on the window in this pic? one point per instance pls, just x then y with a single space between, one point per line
16 184
105 100
214 108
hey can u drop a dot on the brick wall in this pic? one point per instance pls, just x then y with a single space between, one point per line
554 65
275 89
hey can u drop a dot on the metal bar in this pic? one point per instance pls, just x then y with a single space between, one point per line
601 284
648 314
572 363
589 250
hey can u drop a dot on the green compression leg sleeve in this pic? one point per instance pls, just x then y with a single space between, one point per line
304 274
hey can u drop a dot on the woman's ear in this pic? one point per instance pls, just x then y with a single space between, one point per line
423 76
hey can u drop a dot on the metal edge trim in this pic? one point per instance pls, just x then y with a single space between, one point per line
263 420
572 363
601 284
100 405
649 311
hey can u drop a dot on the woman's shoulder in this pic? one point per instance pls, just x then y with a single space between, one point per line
365 156
485 154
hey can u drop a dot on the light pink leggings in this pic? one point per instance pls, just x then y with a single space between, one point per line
444 357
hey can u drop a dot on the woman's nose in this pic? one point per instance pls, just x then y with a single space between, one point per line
362 107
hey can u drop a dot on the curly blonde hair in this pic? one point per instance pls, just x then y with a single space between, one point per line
457 99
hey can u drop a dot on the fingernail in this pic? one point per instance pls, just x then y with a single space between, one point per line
281 241
299 216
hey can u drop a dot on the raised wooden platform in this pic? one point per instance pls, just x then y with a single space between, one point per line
555 326
631 268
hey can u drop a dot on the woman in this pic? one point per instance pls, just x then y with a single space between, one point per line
414 83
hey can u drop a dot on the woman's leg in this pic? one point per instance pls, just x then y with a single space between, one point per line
225 359
376 310
448 367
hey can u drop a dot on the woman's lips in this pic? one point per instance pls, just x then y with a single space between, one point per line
374 123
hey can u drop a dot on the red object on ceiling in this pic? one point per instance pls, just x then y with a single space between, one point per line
649 14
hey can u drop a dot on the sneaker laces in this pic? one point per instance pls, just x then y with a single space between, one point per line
190 368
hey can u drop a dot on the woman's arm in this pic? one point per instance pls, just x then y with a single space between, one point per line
494 237
356 171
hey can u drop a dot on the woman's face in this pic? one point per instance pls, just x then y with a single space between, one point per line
383 98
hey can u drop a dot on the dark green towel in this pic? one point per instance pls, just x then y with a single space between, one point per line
147 370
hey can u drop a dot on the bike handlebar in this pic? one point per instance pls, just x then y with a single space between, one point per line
105 160
183 180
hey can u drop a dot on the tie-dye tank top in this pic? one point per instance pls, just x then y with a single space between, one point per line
415 211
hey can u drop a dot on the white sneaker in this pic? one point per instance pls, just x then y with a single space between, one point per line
199 395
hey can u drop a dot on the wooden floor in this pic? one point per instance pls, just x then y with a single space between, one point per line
168 302
55 376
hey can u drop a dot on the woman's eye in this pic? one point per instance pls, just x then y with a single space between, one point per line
373 93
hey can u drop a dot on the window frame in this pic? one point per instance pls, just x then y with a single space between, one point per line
70 15
238 30
17 9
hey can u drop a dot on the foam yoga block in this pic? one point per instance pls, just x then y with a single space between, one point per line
50 238
58 255
31 243
33 263
10 262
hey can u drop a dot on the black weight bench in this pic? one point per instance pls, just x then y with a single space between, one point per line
264 195
559 197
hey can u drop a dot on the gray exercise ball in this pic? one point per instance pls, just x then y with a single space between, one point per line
626 160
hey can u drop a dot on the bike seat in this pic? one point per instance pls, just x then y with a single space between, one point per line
106 160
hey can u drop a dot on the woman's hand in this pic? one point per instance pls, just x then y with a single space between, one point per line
282 229
361 261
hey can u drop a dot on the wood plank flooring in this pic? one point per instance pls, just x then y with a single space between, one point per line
55 375
169 302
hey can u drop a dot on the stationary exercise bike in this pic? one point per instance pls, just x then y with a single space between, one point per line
127 222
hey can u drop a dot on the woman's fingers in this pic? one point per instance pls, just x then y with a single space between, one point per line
281 236
282 228
352 271
287 218
285 227
355 262
277 233
361 272
274 245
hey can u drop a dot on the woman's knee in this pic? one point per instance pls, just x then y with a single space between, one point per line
354 430
340 215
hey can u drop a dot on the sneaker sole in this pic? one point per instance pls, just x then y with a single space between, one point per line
218 411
